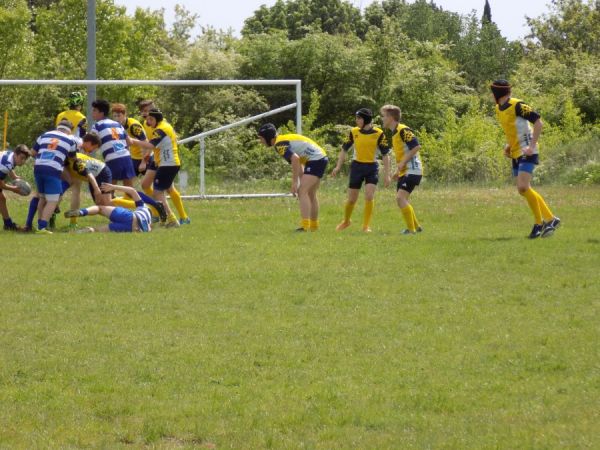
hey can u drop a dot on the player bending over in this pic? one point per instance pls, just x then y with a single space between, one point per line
409 169
8 161
366 140
308 161
122 220
516 119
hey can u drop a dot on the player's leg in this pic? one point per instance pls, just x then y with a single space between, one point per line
370 189
307 183
163 182
178 203
9 225
314 206
405 187
33 206
524 188
75 201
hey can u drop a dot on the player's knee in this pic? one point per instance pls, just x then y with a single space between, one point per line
522 188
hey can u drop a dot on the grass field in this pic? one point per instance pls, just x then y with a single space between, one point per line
235 332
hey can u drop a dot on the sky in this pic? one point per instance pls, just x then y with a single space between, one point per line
509 15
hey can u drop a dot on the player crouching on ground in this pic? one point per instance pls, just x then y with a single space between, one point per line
409 167
516 119
122 220
8 161
308 161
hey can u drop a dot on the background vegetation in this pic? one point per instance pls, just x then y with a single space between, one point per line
435 64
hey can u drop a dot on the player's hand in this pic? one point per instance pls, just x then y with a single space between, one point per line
387 180
396 176
334 172
142 166
507 151
529 150
294 190
107 187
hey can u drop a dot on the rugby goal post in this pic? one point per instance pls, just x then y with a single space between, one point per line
201 138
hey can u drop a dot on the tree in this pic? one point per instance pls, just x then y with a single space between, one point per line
487 13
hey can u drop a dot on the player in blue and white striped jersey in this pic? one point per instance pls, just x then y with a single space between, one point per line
122 220
51 151
8 161
113 147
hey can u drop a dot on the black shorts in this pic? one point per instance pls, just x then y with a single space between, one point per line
363 172
151 165
164 177
136 166
105 176
408 183
316 168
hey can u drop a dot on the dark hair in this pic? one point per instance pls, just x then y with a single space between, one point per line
157 114
22 149
92 138
101 105
500 88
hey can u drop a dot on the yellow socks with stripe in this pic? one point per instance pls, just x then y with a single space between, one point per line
532 200
314 225
369 205
409 217
306 224
348 211
178 203
123 202
546 213
414 216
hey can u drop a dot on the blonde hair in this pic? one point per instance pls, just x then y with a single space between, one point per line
393 111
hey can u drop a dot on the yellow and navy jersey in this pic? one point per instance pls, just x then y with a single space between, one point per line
135 130
516 118
76 118
306 149
81 165
403 142
366 143
164 141
148 130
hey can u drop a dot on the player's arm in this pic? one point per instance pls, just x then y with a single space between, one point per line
8 187
296 172
107 187
408 137
384 148
346 146
94 184
13 175
75 195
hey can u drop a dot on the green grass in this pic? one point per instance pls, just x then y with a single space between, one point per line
235 332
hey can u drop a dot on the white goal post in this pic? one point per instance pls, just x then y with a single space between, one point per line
199 137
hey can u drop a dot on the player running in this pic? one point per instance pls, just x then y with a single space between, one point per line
409 169
74 115
51 151
516 119
366 140
308 161
121 219
8 161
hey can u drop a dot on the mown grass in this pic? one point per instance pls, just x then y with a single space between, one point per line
235 332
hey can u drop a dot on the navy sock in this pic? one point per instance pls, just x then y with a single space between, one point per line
83 212
147 199
33 206
8 222
42 224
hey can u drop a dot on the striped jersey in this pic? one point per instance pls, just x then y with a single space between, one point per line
52 149
306 149
113 139
7 163
143 216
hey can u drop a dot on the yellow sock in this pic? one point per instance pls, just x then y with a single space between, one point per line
149 191
369 204
314 225
532 200
306 224
408 214
546 213
348 211
73 221
176 197
414 216
123 202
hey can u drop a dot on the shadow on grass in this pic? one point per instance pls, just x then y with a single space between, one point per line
498 239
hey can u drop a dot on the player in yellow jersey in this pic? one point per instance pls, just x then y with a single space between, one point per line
166 157
74 115
308 161
367 140
516 119
409 169
134 129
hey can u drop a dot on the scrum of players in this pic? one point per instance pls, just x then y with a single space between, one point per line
109 158
148 149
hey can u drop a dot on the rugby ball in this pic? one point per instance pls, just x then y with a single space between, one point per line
24 187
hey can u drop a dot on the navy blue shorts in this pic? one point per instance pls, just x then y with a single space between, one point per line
363 172
316 168
105 176
164 178
525 163
49 186
121 168
151 165
409 182
136 166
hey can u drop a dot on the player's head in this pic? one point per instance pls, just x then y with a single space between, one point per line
145 106
100 109
267 134
155 116
76 100
500 88
22 153
91 141
364 116
65 126
119 113
390 115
